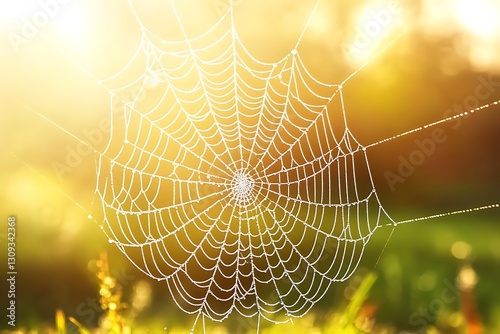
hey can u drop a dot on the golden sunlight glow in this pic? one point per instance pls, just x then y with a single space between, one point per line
322 23
480 17
26 19
12 12
374 23
15 9
474 25
481 21
73 22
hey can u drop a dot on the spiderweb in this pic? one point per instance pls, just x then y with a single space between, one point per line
236 181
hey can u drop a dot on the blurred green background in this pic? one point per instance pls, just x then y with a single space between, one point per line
437 56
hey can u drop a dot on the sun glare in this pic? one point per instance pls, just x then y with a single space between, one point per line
374 24
481 21
474 25
72 23
480 17
26 19
13 11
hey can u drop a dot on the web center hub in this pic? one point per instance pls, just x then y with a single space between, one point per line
242 186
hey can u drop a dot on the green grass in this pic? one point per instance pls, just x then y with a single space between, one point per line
412 272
